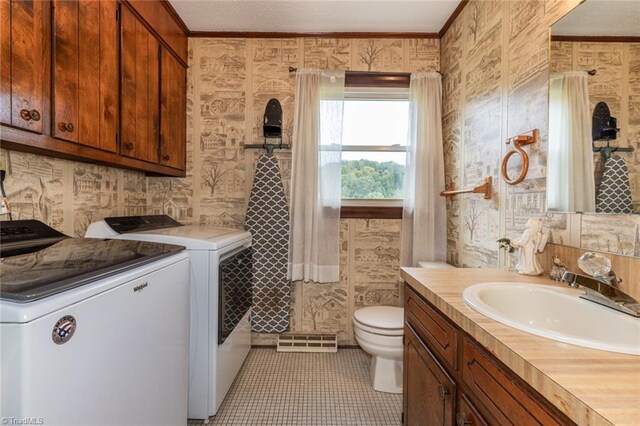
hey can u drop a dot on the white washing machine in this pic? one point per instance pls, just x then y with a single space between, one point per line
220 337
92 332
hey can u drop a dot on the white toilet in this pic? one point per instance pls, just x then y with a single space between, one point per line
378 331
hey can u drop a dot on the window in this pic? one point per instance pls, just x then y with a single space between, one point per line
374 145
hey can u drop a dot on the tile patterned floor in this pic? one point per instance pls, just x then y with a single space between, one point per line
306 389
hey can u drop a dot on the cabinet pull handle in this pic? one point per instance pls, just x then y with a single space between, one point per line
128 146
166 157
463 420
66 127
443 391
27 115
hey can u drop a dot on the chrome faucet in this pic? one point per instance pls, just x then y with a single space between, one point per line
601 287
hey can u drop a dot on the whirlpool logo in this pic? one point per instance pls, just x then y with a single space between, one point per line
139 288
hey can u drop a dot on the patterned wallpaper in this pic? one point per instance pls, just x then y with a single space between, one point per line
229 84
69 195
495 63
617 83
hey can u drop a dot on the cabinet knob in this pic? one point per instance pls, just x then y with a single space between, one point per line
463 420
166 157
128 146
27 115
66 127
443 391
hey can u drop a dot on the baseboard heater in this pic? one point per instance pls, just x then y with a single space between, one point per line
307 342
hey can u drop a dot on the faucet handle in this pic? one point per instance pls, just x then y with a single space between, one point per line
595 264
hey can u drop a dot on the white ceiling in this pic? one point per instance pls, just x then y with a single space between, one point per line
425 16
601 18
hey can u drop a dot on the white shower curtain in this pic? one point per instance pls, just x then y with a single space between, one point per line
570 178
315 180
424 217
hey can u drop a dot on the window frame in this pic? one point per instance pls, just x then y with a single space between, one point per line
374 85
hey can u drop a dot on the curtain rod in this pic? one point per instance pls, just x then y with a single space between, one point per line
293 69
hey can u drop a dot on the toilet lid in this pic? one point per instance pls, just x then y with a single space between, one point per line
384 317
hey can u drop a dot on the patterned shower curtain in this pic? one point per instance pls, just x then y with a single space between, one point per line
268 221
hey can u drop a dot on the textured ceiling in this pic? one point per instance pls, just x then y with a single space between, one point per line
601 18
315 16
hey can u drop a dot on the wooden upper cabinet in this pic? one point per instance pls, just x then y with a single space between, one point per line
140 93
102 81
173 112
85 75
23 47
167 26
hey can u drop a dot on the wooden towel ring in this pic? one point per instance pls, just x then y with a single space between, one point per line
518 142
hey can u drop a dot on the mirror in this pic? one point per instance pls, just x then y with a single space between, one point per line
594 109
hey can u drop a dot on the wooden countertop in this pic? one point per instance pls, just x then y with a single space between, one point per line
590 386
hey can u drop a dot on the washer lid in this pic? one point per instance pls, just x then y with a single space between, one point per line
71 263
388 317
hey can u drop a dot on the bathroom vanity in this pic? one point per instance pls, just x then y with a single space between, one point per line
463 368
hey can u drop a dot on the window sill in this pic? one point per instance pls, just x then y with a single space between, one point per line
370 212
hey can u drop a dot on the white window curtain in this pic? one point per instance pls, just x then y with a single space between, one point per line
570 178
315 179
424 220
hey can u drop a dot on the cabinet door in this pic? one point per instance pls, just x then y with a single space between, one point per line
429 392
506 398
140 92
466 413
23 39
173 112
85 79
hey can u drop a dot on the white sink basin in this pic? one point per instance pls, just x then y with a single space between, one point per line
556 313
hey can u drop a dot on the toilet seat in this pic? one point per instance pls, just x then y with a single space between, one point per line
382 320
380 331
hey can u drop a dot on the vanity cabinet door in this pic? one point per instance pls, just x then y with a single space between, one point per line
173 112
506 398
85 73
140 93
440 335
467 414
429 392
24 42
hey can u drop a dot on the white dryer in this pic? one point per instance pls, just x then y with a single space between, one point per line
220 336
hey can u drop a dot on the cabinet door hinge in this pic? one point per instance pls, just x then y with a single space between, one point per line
117 14
402 418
